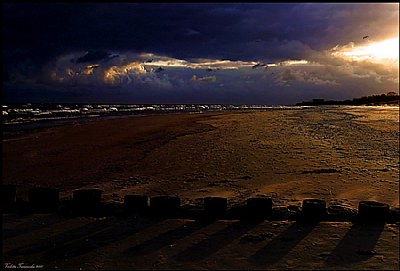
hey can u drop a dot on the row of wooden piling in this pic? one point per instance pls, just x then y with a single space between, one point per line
88 201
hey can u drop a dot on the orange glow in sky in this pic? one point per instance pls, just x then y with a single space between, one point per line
386 50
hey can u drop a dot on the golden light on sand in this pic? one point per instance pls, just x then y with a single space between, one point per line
386 50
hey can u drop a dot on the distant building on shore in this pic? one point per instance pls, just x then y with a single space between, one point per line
318 101
391 98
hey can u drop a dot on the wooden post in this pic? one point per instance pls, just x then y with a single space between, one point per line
87 201
372 212
136 204
44 199
258 208
314 209
165 206
8 198
215 207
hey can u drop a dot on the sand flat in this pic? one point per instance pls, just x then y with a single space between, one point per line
323 152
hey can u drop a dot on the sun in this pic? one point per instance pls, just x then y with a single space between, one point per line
386 50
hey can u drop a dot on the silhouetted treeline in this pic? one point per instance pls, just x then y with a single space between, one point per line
390 98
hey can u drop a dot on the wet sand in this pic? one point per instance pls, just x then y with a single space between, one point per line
342 155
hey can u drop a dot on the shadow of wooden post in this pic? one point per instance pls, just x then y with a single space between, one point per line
214 243
357 245
167 238
282 244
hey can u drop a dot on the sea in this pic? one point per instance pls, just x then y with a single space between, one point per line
32 116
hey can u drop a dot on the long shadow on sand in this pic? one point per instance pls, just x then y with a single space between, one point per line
7 218
113 231
357 245
34 224
59 239
282 244
215 242
164 239
73 242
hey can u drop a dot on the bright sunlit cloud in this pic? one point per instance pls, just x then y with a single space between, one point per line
294 62
386 50
114 73
198 64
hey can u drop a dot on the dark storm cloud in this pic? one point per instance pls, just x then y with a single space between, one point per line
37 38
187 30
95 56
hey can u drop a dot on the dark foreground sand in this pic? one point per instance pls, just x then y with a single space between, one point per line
134 243
342 155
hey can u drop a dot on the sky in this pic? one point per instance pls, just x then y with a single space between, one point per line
229 53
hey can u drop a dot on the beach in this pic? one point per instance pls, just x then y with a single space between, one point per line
342 155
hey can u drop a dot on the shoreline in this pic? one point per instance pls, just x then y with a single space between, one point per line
39 123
